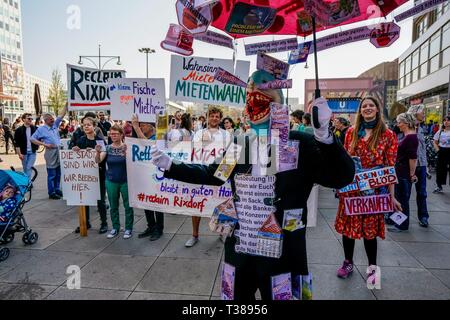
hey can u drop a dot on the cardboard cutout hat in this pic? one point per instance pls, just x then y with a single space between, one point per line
178 40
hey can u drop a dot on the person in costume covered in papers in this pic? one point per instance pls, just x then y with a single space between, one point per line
321 159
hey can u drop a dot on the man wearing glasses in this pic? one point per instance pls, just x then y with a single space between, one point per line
24 148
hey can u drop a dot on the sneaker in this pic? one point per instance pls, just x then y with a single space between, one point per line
103 229
113 233
59 193
438 190
54 196
128 234
147 233
423 222
191 242
346 270
77 230
156 235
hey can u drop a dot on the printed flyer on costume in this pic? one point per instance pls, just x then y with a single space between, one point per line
144 97
192 79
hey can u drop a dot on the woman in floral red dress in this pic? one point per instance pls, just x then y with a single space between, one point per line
376 146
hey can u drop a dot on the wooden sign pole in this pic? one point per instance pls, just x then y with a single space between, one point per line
82 218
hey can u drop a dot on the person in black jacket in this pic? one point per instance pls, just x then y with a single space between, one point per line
24 147
321 160
89 141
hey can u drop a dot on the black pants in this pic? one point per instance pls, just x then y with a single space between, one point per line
256 272
101 204
155 219
8 137
443 166
369 245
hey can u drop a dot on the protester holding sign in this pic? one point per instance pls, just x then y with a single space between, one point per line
252 260
89 141
155 219
405 166
48 136
376 146
116 180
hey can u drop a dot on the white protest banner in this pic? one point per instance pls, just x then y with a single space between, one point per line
419 8
368 205
88 88
144 97
215 38
279 69
192 80
151 191
271 46
372 179
79 177
276 84
224 76
252 210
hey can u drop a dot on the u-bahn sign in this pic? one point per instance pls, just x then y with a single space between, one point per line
344 105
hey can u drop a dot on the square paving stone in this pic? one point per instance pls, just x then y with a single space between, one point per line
47 236
328 214
94 242
321 231
180 276
139 247
46 267
24 292
323 251
118 272
327 286
16 258
171 223
442 229
431 255
204 229
208 247
409 284
443 275
63 293
163 296
418 234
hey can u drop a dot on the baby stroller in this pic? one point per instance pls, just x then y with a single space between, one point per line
16 221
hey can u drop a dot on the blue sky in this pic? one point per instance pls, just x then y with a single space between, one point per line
121 27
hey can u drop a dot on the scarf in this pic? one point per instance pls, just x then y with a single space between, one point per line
366 125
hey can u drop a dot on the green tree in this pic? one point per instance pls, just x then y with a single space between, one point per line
57 96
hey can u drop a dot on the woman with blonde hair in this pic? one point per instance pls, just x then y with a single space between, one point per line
376 146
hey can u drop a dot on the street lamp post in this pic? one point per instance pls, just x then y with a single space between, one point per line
100 66
147 51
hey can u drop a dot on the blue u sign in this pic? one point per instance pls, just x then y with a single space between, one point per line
344 105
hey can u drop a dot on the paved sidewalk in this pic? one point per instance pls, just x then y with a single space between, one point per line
414 265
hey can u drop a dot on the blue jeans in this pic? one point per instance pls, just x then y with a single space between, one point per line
403 193
53 180
28 162
421 190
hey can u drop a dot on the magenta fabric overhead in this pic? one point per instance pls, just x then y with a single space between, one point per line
290 15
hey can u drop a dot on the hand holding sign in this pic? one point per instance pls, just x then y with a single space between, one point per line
160 159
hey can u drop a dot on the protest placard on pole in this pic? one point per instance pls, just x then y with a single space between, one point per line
144 97
88 88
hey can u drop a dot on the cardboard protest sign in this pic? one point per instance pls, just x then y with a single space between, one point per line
151 191
192 16
193 80
224 76
88 88
369 205
252 210
247 19
372 179
332 13
271 46
384 34
279 69
276 84
300 54
343 37
144 97
422 8
79 177
215 38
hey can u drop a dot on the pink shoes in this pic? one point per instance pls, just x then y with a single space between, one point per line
346 270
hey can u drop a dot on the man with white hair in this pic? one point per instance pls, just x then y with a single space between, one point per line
418 111
48 136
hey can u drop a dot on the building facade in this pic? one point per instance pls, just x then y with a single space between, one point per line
28 96
424 69
11 63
